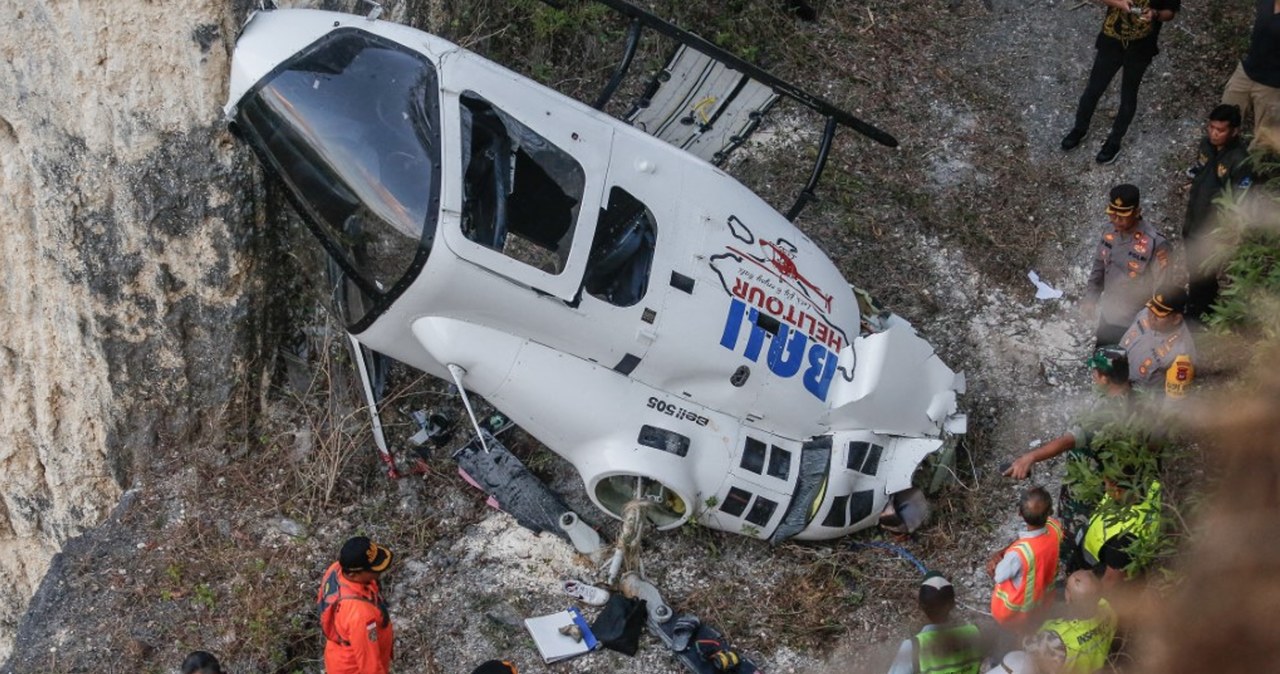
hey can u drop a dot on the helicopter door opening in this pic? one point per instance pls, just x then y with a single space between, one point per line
622 251
524 196
520 193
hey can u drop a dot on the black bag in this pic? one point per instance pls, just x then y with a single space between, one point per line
620 622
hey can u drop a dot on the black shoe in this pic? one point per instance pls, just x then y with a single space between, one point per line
1108 152
1072 139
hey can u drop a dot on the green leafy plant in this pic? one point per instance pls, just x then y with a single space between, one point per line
205 596
1249 255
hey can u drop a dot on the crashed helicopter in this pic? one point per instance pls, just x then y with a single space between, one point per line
612 291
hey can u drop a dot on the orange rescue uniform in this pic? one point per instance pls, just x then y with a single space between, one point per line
1011 606
360 638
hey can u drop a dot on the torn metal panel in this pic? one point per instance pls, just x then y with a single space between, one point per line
901 386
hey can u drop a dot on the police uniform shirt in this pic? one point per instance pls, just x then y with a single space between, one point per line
1126 269
1151 352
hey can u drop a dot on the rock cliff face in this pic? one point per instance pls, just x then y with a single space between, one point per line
126 217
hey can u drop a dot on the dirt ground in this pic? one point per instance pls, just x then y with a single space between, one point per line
220 548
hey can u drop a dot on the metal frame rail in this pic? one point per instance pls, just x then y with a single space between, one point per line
834 116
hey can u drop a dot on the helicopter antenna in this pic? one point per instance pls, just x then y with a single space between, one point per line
457 371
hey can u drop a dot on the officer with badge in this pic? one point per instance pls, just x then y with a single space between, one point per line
1131 260
1160 347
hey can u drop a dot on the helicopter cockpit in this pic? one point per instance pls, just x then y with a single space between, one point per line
352 124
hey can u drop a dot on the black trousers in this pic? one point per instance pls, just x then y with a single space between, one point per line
1109 59
1202 285
1108 334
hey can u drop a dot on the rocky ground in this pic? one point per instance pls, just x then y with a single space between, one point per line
220 547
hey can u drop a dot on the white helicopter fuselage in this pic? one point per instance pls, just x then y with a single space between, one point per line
669 334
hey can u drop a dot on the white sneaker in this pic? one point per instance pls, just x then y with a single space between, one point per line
587 594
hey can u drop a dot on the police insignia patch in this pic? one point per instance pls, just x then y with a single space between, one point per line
1222 170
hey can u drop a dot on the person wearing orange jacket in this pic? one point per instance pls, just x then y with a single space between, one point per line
357 628
1024 571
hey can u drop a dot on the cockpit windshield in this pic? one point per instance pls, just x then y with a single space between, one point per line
352 126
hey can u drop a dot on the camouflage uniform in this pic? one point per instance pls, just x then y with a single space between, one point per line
1126 270
1152 353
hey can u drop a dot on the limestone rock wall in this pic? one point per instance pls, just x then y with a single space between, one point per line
127 219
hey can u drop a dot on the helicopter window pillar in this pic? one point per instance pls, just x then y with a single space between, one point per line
521 193
622 251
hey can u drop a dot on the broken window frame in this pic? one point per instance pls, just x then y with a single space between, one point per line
523 166
832 115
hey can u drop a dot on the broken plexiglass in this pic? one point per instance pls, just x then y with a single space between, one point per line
521 193
622 251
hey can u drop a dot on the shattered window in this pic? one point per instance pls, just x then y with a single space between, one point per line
753 456
520 193
351 125
622 251
736 501
761 511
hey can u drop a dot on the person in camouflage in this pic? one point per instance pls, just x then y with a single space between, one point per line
1109 367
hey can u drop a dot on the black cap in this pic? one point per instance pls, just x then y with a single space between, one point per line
1165 302
201 662
362 554
1123 200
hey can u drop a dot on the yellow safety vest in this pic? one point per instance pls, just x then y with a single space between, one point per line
1141 520
954 650
1088 642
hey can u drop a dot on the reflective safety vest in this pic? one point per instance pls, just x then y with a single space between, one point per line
951 650
1141 520
1087 642
1039 554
